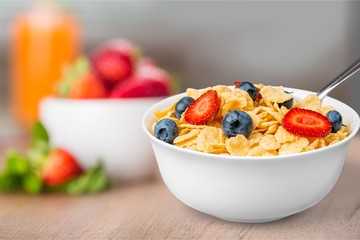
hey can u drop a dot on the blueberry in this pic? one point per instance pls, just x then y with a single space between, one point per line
182 105
250 89
335 119
237 122
288 104
166 130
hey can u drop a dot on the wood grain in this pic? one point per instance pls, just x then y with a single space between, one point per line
148 210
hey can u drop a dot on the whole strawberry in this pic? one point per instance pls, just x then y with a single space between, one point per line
146 70
148 81
61 168
139 87
113 64
123 46
87 86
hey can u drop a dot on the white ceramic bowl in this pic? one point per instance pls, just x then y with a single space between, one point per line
106 129
251 189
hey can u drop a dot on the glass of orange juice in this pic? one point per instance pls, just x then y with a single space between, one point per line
42 39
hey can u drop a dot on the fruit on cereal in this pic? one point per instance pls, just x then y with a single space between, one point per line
111 65
166 130
237 122
61 168
182 105
87 86
335 119
203 109
306 123
137 87
277 129
249 88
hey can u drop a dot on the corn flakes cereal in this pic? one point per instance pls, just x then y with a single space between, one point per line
268 137
269 142
283 136
238 146
294 147
209 140
159 114
257 151
311 102
275 94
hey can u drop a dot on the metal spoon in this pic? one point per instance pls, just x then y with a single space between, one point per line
339 79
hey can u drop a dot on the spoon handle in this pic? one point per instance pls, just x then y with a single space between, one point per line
339 79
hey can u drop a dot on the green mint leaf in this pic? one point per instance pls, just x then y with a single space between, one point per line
78 186
39 133
93 181
99 183
32 184
38 156
16 164
9 182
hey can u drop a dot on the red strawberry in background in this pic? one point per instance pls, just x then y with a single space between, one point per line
123 46
146 71
148 81
145 61
61 168
306 123
140 87
112 66
87 86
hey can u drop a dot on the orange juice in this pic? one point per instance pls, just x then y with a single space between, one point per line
42 40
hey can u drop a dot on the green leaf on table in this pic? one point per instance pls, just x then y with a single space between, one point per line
16 164
38 155
92 181
32 183
9 182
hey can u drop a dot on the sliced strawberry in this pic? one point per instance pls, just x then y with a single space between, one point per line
87 86
259 97
62 167
203 109
138 87
306 123
112 66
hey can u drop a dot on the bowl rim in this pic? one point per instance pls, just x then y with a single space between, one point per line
150 111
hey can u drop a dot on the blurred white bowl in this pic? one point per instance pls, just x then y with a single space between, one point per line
251 189
106 129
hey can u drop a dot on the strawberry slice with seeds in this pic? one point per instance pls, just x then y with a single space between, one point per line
306 123
203 109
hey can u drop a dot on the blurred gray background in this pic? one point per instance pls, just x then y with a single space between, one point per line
298 44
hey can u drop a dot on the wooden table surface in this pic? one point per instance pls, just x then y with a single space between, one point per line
148 210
